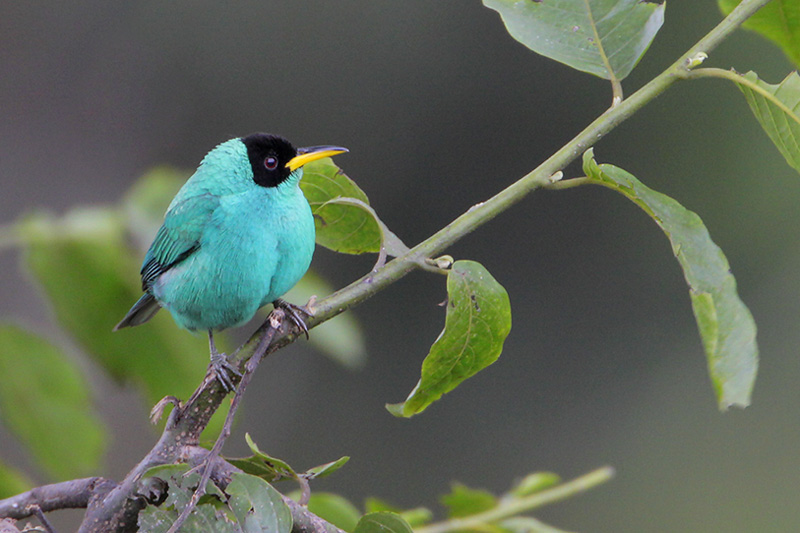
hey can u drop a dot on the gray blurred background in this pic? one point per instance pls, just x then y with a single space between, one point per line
441 109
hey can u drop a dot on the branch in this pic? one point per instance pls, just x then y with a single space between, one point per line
74 494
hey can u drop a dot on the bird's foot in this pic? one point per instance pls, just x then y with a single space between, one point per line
296 312
224 371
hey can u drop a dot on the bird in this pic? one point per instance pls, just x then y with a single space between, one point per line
238 235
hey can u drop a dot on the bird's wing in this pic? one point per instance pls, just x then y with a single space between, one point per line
179 236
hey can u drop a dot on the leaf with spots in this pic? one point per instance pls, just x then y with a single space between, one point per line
257 506
602 37
477 322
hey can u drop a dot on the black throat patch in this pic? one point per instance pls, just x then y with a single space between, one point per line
268 156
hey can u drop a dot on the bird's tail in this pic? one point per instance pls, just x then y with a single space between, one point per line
141 312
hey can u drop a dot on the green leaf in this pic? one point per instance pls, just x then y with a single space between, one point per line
335 509
263 465
778 21
534 482
272 469
777 108
209 515
388 243
602 37
204 519
90 277
12 481
344 220
44 400
415 517
463 501
340 338
382 522
181 482
326 469
257 506
477 323
726 325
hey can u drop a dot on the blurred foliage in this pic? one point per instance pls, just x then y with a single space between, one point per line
44 400
464 501
12 481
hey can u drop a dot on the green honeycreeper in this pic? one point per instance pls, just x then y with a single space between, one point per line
238 235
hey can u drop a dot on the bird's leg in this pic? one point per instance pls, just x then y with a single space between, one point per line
220 366
207 464
295 312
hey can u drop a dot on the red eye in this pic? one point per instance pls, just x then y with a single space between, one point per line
271 162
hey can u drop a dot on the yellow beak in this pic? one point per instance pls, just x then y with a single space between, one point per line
312 153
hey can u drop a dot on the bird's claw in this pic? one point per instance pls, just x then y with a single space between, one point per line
224 371
295 312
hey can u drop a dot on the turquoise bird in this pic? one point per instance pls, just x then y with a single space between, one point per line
238 235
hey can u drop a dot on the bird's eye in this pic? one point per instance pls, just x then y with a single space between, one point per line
271 162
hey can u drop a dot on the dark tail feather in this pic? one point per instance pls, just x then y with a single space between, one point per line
141 312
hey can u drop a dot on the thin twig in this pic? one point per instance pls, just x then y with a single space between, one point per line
517 506
37 511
